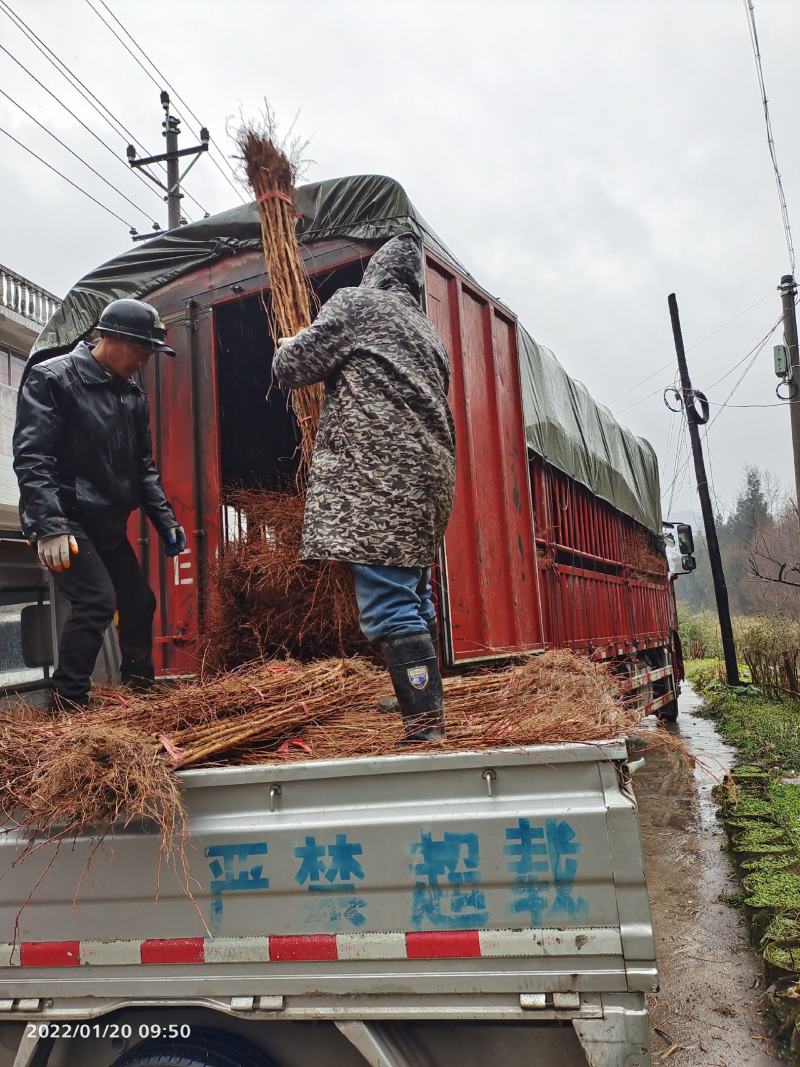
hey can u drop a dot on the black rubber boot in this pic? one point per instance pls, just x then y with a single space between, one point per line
59 704
138 675
414 670
390 705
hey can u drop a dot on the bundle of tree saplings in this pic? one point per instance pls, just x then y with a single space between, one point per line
71 774
266 601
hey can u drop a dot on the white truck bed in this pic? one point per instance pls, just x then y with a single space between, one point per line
425 892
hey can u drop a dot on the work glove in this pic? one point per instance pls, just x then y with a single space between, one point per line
54 552
176 542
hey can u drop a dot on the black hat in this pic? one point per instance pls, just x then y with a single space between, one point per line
136 320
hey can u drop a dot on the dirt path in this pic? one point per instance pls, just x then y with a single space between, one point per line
711 983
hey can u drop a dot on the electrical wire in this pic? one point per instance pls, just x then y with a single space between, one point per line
641 400
61 103
756 353
66 179
787 228
742 407
691 348
105 113
758 347
160 85
181 100
80 159
752 355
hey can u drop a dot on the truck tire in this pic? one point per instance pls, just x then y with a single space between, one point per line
205 1048
669 713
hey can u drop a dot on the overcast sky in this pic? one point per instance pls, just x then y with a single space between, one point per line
583 158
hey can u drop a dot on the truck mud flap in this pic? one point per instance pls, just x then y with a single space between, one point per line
621 1038
379 1048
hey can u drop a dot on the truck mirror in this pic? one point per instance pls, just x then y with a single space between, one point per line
685 539
688 562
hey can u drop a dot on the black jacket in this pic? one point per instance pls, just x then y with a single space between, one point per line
82 452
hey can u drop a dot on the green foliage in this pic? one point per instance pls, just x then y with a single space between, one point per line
784 927
784 957
762 813
770 646
706 675
772 889
751 519
760 838
769 863
750 806
764 730
700 637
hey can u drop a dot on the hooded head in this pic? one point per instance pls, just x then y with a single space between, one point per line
397 266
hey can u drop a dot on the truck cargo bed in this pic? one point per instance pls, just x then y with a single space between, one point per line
495 885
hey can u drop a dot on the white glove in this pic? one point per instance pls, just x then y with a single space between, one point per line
54 552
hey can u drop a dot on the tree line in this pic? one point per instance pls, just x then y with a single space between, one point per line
759 540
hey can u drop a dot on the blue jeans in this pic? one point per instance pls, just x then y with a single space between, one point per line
393 600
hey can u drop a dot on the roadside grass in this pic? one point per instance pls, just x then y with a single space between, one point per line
760 807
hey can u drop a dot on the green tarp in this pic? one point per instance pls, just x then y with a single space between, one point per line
563 423
582 438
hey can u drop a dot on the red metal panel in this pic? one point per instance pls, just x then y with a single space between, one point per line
490 566
510 581
182 395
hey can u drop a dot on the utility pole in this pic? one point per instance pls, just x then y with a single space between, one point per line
171 127
788 290
694 420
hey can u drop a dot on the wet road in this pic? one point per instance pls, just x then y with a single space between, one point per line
711 983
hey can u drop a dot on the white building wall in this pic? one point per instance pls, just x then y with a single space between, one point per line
9 493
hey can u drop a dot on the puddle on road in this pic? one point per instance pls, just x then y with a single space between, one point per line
710 977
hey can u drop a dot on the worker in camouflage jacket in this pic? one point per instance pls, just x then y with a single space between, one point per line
382 477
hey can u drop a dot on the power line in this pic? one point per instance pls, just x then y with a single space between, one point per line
66 179
641 400
105 113
757 348
756 353
181 100
752 355
61 103
161 84
80 159
787 229
691 348
780 404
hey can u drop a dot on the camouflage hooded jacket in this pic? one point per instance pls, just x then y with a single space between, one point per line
382 477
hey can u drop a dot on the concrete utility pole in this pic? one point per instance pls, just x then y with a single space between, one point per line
690 399
171 130
788 290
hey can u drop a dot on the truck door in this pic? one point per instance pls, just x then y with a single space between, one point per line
489 577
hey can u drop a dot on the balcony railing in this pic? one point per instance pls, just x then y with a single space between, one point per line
26 299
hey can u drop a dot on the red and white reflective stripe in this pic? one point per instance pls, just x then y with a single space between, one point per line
659 702
315 948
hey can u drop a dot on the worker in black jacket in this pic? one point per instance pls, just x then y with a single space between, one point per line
83 460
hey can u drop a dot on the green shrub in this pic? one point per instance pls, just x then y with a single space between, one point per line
763 729
770 646
706 675
700 638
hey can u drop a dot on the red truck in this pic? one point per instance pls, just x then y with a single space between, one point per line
556 536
